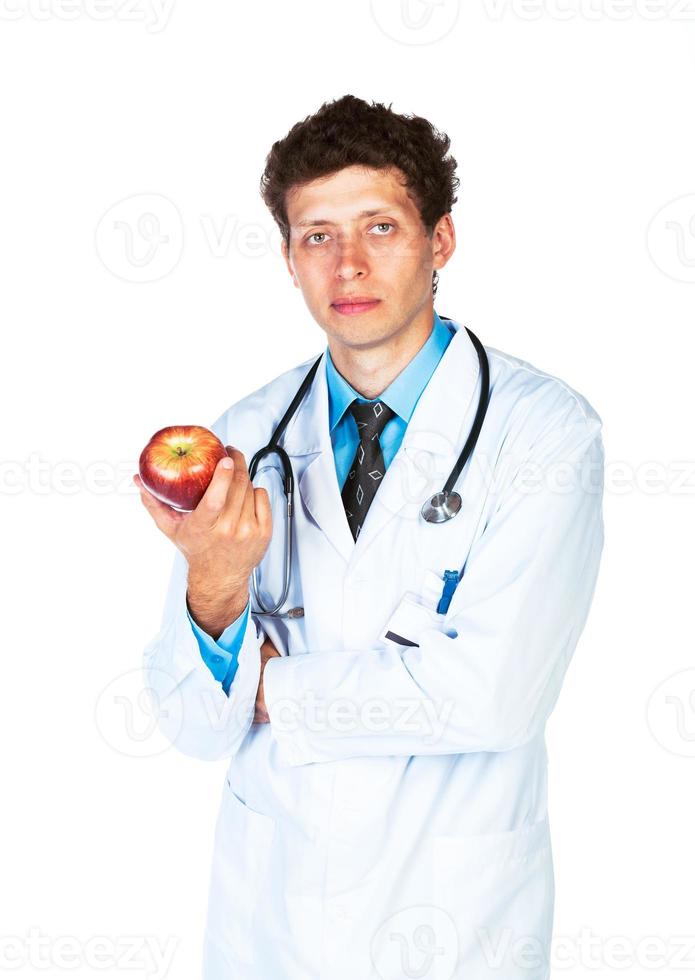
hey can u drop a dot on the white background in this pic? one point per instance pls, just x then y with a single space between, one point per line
571 121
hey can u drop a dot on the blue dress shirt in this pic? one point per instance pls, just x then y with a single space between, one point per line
401 396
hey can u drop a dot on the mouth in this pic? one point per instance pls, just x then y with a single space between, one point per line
353 305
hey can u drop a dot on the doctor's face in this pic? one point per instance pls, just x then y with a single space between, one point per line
357 236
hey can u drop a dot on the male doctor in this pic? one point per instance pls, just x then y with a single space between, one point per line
384 812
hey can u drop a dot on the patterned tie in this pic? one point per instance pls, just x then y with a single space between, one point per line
367 467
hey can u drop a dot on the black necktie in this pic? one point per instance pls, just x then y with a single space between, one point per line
367 467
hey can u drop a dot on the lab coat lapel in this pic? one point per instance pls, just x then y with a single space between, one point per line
432 442
309 433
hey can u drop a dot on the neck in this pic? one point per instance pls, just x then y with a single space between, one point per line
370 370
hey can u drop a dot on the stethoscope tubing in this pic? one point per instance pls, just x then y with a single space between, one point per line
483 400
440 508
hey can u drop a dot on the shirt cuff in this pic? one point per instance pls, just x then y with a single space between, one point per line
222 655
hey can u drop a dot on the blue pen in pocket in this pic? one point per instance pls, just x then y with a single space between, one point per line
451 580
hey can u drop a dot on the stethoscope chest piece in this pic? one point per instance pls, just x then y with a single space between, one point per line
441 507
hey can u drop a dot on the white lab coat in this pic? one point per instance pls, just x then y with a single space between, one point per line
391 819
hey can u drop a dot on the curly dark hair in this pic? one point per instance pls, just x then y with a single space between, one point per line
349 131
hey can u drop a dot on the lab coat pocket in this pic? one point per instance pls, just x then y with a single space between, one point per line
407 621
414 613
499 891
241 860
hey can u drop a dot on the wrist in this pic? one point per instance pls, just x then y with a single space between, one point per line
215 605
207 582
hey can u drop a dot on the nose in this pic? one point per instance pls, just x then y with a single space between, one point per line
351 260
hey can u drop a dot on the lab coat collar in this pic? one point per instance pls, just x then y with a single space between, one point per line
432 442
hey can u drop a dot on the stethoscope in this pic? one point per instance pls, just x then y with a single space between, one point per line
441 507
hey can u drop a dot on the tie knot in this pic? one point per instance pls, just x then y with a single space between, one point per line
371 417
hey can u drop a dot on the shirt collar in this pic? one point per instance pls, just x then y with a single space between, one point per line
402 394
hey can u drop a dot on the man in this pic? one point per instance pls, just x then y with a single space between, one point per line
384 813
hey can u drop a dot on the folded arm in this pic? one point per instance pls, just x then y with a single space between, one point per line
190 706
490 681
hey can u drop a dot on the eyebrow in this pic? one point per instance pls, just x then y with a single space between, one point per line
363 214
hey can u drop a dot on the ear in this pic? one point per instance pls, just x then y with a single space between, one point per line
443 241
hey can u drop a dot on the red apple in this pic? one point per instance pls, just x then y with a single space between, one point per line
177 464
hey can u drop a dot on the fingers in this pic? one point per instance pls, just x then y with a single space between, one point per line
247 513
261 715
164 516
264 514
255 508
268 650
255 513
238 504
230 501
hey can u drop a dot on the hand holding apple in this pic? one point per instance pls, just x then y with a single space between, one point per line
223 539
178 462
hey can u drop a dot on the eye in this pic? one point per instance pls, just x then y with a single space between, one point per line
315 234
384 224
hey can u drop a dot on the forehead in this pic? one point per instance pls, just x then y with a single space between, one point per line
344 195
